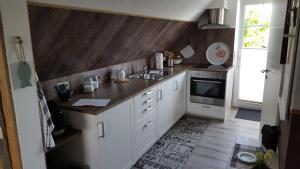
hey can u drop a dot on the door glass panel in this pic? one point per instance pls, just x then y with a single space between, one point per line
254 52
251 79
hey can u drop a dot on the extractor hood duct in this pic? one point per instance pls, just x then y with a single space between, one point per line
216 15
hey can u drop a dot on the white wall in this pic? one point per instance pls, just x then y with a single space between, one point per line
15 22
183 10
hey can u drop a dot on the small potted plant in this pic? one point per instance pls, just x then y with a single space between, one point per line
263 160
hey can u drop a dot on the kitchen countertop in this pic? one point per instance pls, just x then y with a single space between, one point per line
120 92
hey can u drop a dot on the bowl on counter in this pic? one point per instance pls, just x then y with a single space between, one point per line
177 61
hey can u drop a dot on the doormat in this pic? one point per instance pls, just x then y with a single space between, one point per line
247 114
235 162
173 149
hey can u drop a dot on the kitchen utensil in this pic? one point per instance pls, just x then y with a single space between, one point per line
217 53
246 157
96 82
170 62
121 75
187 52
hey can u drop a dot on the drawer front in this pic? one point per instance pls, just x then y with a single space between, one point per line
145 133
144 104
144 110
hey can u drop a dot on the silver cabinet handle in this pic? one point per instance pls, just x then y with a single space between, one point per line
100 130
159 94
148 92
176 85
148 123
148 108
148 101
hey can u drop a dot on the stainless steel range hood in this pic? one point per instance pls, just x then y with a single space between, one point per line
216 19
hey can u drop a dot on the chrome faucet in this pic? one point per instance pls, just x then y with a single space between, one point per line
145 69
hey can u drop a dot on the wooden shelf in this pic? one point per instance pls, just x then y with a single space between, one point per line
69 134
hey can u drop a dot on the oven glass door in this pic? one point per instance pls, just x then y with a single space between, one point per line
207 91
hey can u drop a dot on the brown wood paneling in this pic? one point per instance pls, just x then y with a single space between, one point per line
7 109
69 41
289 142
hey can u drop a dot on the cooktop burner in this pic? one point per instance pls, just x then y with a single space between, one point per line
212 67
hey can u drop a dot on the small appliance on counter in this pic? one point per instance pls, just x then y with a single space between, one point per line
63 90
91 83
121 75
88 85
157 61
57 118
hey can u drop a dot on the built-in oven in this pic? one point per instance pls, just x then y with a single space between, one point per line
208 87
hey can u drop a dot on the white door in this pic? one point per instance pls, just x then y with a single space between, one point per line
115 141
164 107
252 51
180 94
273 81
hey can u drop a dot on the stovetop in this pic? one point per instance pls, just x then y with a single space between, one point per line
212 67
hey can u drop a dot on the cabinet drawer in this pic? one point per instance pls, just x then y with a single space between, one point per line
145 97
145 110
145 133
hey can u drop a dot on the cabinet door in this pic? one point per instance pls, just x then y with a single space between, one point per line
164 107
180 95
115 136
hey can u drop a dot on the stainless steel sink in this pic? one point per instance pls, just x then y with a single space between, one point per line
150 75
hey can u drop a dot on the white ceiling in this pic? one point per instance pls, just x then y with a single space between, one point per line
184 10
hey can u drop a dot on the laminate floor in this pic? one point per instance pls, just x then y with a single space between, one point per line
216 144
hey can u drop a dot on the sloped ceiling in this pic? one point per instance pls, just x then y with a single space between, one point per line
182 10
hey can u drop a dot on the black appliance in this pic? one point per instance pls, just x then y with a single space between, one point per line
208 87
57 118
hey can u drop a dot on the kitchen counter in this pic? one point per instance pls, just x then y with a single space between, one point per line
119 92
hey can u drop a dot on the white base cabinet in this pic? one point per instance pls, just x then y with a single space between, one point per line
118 137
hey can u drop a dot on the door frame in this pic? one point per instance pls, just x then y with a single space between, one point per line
9 118
235 99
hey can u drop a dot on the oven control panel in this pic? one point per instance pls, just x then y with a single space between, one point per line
209 74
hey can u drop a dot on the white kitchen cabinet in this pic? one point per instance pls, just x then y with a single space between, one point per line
171 102
165 107
179 95
115 136
107 138
144 122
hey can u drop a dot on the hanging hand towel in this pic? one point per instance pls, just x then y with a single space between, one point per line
47 123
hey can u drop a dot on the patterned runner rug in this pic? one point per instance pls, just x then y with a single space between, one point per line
173 149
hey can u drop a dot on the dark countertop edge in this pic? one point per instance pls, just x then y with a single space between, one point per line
156 82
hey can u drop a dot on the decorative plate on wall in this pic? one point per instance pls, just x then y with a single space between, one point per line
217 53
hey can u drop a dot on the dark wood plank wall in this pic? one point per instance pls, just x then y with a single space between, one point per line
69 41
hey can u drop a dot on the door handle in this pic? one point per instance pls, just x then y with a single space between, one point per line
175 85
149 92
148 124
159 94
148 108
148 101
266 71
100 130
